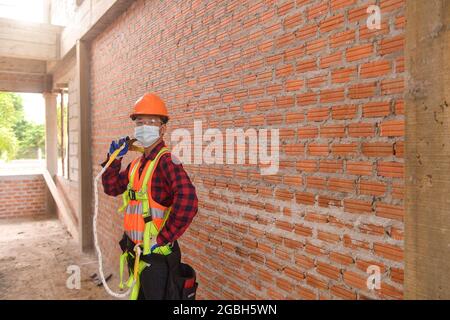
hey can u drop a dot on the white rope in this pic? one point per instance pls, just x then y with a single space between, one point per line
97 246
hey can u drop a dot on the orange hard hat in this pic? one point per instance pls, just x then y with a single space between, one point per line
149 104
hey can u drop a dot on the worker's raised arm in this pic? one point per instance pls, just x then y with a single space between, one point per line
115 182
185 202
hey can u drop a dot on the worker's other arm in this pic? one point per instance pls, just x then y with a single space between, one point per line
115 182
185 202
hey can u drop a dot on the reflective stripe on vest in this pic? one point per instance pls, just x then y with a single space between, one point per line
143 206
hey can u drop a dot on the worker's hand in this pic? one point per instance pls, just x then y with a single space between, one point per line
116 145
155 246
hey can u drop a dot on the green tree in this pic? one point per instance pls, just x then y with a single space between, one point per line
19 138
10 112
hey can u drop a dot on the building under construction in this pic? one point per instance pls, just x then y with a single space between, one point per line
358 92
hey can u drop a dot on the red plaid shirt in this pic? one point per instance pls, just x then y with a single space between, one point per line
171 186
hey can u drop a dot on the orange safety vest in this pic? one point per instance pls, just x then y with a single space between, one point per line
144 217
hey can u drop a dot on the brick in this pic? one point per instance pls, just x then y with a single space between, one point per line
304 262
394 128
391 291
388 251
332 131
343 38
392 86
377 149
316 149
343 292
306 294
331 60
331 95
371 229
294 85
340 4
330 166
332 23
316 183
372 188
390 169
389 211
361 91
375 69
308 132
307 165
357 206
317 10
341 185
294 273
356 280
341 258
359 168
343 112
376 109
328 237
327 201
344 149
305 198
293 21
315 282
302 230
343 75
359 52
394 44
318 114
361 130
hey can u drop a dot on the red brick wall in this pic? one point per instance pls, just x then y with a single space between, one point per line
22 195
332 87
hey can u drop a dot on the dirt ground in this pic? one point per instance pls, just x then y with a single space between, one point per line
35 254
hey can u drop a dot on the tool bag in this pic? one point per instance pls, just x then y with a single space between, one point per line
181 283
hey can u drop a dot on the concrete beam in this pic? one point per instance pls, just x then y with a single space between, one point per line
92 18
84 146
29 40
427 218
22 75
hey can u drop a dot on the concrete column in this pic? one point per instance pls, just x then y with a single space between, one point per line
47 17
427 219
51 143
85 213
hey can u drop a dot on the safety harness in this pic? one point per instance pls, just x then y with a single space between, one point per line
143 220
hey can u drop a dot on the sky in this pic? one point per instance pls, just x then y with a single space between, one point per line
28 10
34 107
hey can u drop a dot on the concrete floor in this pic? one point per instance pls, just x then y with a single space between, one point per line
34 256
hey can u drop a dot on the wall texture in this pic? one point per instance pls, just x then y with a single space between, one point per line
22 196
332 87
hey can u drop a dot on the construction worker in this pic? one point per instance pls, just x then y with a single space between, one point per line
159 198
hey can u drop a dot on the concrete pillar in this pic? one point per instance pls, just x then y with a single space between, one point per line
51 143
47 16
427 219
85 213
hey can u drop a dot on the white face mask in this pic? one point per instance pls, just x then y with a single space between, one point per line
146 135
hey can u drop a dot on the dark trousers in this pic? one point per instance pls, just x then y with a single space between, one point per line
154 281
157 279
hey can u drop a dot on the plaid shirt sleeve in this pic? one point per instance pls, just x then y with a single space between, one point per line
185 202
115 182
